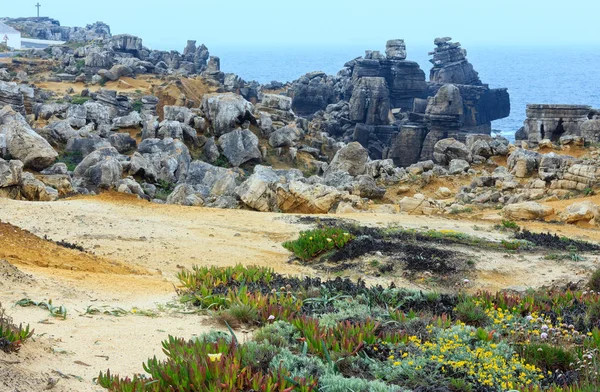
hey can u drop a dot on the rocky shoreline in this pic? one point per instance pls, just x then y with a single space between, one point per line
322 143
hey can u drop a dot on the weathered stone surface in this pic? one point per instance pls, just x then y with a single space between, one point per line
139 166
211 151
99 170
77 115
581 212
122 142
185 195
553 121
407 145
352 158
527 211
418 205
84 146
523 163
446 150
277 101
169 158
99 60
301 198
365 186
10 173
59 132
97 113
240 146
34 190
370 103
210 180
226 111
132 120
395 49
450 64
170 129
287 136
23 143
590 130
259 191
312 92
458 166
60 182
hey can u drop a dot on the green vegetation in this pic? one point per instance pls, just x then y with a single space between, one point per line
137 105
163 190
338 335
79 100
315 242
11 336
71 159
55 311
594 282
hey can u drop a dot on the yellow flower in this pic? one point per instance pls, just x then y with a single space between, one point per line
396 363
329 240
391 357
310 238
215 357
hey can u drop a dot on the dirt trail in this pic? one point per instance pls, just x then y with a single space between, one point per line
134 250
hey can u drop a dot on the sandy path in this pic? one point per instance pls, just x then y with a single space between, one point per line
141 246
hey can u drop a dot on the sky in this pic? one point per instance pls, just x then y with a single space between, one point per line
169 24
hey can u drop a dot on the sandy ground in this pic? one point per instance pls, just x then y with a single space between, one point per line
135 250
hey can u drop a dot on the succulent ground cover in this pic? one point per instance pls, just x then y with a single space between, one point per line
340 335
11 335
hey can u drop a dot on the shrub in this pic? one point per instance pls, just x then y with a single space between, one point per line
337 383
79 100
315 242
71 159
238 314
137 105
510 225
258 356
471 314
11 336
300 366
547 357
279 334
214 337
594 282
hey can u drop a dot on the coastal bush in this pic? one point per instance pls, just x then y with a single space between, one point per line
79 100
471 314
279 334
594 282
313 243
300 365
11 336
510 225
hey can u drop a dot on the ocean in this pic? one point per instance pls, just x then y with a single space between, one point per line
566 75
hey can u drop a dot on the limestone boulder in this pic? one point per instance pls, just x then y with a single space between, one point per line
211 180
185 195
523 163
10 173
365 186
99 170
298 197
168 158
276 101
590 130
529 210
419 205
226 111
370 102
287 136
458 166
132 120
23 143
259 191
581 212
446 150
352 158
240 146
33 189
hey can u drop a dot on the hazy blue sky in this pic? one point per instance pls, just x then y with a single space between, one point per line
168 24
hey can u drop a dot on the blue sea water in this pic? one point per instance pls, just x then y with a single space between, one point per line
544 74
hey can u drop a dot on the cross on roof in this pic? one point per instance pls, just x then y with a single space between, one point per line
38 5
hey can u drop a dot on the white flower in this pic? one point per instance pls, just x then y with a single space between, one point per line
271 318
529 318
544 335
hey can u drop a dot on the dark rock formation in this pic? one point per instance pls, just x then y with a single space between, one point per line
312 92
370 102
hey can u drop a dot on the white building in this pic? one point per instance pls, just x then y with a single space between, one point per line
11 36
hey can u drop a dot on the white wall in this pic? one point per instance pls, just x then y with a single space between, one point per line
14 40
